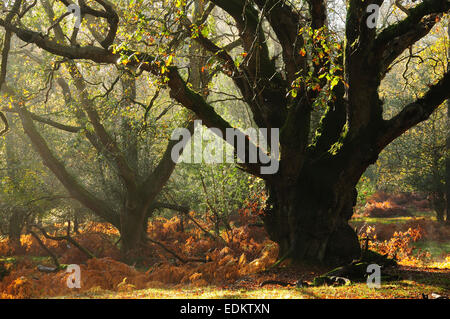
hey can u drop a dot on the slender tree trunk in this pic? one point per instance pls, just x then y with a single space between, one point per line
16 223
17 217
76 224
438 193
438 204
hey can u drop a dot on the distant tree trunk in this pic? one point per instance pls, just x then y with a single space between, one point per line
16 223
438 204
76 223
17 217
437 197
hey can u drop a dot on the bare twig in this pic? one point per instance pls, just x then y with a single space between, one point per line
183 260
52 255
67 238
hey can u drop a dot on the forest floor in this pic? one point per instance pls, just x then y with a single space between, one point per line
420 244
413 284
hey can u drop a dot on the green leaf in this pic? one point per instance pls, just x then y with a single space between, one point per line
334 82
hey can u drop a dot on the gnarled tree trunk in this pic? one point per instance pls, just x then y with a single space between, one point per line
309 219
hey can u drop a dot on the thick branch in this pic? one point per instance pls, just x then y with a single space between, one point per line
155 182
59 126
387 52
268 88
7 41
415 112
416 14
317 9
286 24
221 53
113 20
96 54
364 105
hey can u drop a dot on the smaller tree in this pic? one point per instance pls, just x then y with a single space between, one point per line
26 187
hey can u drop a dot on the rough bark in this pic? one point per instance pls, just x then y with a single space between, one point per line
309 220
